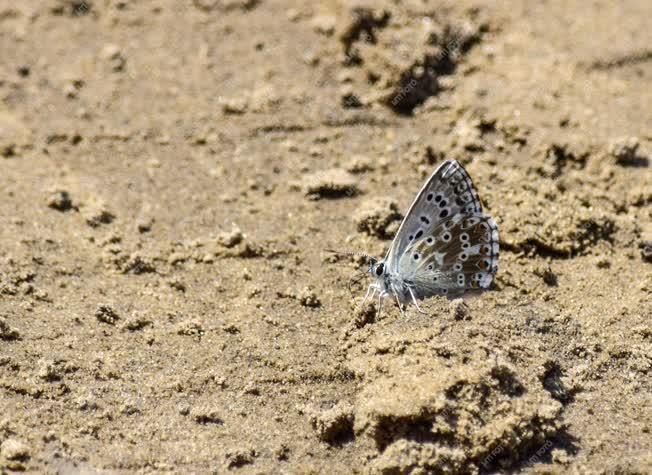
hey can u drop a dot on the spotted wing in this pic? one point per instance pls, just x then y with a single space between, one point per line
460 253
448 192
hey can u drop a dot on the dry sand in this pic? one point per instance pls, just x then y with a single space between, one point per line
172 172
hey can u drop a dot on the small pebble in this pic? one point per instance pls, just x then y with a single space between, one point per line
324 24
60 200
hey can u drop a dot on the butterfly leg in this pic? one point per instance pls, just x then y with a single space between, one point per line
400 306
414 299
371 291
381 295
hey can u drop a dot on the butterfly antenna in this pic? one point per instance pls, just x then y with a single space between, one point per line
353 254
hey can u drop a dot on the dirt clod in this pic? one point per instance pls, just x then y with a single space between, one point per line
144 224
404 55
308 298
425 407
73 8
14 449
378 217
230 238
96 214
360 164
137 322
60 200
334 425
324 24
240 458
206 415
7 333
333 183
627 152
459 310
106 314
49 370
137 264
114 57
190 328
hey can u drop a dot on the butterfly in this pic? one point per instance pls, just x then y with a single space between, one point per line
445 245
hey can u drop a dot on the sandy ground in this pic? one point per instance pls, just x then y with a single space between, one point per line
172 172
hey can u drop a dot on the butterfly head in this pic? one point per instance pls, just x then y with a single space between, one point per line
377 269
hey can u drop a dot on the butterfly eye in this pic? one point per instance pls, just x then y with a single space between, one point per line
464 237
379 269
446 237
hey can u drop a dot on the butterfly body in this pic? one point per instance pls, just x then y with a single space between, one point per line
388 283
445 245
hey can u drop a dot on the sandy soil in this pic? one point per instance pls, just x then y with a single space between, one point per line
172 172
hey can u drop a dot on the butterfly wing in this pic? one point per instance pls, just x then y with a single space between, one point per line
460 253
448 192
